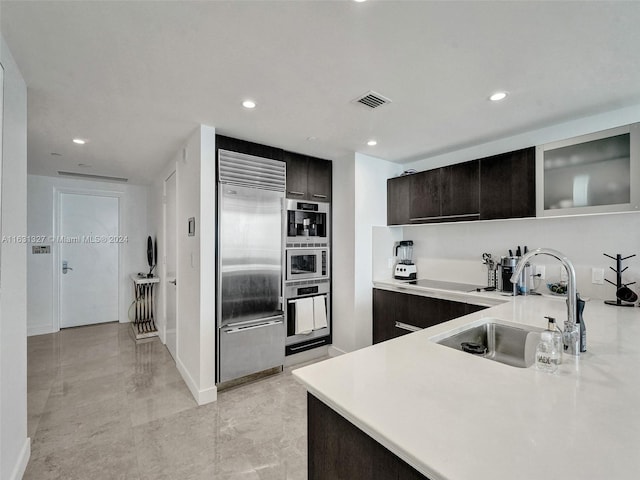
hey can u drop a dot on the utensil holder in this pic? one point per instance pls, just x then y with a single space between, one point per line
492 278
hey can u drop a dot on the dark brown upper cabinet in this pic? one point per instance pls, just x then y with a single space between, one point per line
425 196
398 200
508 185
319 179
249 148
501 186
446 194
308 178
460 191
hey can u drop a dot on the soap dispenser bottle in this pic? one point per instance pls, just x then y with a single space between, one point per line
556 335
547 355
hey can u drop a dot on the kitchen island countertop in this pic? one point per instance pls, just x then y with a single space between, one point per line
453 416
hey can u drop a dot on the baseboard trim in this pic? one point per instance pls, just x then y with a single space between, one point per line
40 330
335 352
202 397
23 460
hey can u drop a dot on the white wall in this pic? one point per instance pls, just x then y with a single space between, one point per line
343 251
14 443
453 252
188 262
371 176
207 231
195 303
41 269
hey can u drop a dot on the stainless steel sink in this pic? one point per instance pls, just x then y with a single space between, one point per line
508 344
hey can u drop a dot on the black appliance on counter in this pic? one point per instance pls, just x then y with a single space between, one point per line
508 266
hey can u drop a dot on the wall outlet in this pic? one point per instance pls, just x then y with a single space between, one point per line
390 262
563 274
597 276
540 270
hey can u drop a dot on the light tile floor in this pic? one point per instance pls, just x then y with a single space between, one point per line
102 407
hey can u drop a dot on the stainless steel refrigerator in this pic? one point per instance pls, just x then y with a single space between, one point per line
251 330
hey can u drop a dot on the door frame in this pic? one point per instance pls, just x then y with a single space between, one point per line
164 277
57 194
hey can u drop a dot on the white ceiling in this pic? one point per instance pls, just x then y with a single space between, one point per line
136 78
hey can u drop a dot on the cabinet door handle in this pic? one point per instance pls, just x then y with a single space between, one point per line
296 193
317 195
444 217
406 326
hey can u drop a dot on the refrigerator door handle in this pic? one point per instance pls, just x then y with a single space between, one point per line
253 327
280 315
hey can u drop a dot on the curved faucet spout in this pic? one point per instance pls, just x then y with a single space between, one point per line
571 283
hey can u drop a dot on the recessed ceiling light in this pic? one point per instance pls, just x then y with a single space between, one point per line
496 97
249 104
372 143
312 139
359 1
79 141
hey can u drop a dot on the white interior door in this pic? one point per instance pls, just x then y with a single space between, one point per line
88 231
170 263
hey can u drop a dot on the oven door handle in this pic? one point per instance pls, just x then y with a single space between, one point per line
312 295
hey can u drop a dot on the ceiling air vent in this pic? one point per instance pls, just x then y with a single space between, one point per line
93 177
372 100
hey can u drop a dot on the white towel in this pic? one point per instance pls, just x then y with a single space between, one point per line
304 315
319 312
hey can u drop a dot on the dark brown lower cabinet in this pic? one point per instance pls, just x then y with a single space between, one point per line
384 305
338 450
396 314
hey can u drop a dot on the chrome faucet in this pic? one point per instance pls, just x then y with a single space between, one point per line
571 336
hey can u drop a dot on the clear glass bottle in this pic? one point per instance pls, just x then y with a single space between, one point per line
552 326
571 337
547 355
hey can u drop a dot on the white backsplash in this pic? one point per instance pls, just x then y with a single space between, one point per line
453 251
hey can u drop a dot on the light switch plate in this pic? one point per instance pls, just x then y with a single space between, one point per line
597 276
540 270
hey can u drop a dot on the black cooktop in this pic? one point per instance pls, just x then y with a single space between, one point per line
458 287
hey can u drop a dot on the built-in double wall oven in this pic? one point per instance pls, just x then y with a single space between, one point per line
307 280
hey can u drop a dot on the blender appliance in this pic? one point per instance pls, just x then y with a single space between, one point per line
405 268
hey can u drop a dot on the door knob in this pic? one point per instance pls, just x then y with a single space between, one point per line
175 282
65 267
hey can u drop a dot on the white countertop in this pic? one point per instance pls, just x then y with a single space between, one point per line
453 416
